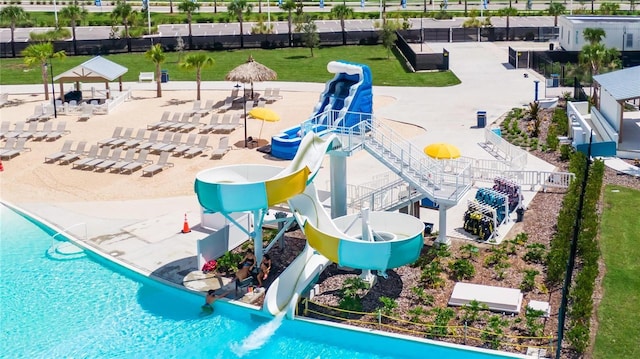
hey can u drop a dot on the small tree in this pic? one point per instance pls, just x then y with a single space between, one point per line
289 6
342 12
189 7
609 8
310 36
238 9
471 311
388 34
431 275
157 56
508 12
197 61
494 332
124 13
13 14
424 297
469 251
440 326
38 55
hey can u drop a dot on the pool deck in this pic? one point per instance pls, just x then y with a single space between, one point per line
146 234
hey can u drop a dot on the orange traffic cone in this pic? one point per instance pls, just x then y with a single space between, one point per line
185 227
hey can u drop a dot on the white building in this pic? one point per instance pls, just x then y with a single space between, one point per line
622 32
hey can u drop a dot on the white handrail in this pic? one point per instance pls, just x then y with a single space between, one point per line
65 230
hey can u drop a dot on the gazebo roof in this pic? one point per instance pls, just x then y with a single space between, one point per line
622 84
96 69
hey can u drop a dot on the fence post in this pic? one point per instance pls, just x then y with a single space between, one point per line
465 332
379 319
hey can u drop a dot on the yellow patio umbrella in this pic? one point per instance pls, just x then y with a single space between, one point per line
264 114
442 150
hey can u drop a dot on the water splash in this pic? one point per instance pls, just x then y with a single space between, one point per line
258 337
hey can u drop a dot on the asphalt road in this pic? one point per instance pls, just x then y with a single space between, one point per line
213 29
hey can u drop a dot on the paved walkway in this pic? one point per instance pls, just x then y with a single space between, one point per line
145 234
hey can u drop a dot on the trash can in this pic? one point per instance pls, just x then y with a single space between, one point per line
555 80
482 119
428 228
164 76
551 46
519 214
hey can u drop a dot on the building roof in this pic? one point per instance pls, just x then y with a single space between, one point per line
622 84
95 69
599 19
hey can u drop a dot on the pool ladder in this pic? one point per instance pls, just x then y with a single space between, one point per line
66 250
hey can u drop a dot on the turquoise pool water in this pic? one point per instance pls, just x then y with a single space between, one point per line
91 308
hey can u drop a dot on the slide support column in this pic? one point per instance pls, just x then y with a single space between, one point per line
442 226
338 167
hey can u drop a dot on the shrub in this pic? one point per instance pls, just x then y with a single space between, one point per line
431 275
441 322
565 152
536 253
552 137
416 314
494 332
229 262
529 280
471 311
388 305
462 269
350 294
533 324
424 297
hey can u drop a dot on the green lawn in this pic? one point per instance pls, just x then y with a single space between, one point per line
294 65
619 312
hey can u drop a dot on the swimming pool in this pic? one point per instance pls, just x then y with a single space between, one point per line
89 307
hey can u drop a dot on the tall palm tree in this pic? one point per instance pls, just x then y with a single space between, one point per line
75 14
289 6
188 7
341 12
123 12
197 61
508 12
156 54
237 9
593 35
13 14
37 55
555 9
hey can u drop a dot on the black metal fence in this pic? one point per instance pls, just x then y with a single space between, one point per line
422 61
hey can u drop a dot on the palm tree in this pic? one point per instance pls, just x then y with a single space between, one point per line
188 7
197 61
75 14
555 9
508 12
123 12
237 9
289 6
593 35
156 54
13 14
37 55
341 12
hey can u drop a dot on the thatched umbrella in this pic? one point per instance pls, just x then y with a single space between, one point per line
250 72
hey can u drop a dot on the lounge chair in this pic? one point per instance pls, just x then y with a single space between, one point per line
47 113
137 164
275 95
224 123
232 124
134 141
30 131
206 108
177 125
61 129
158 166
197 149
115 157
4 128
66 147
194 123
261 103
177 140
17 130
227 105
248 107
196 107
42 134
124 138
17 150
215 121
153 138
93 152
87 112
128 158
163 120
191 140
102 156
38 111
75 155
116 135
166 139
267 93
174 119
223 148
4 99
9 145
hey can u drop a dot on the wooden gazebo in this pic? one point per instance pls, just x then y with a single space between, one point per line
98 69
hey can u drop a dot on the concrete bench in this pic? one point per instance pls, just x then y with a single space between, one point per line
145 76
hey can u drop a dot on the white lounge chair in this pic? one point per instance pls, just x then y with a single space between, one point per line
116 135
213 122
137 164
163 120
206 108
16 151
17 130
153 138
166 139
4 128
75 155
158 166
38 111
66 147
177 140
87 112
197 149
227 105
60 130
115 157
30 131
191 140
93 152
128 159
124 138
102 156
174 119
194 123
42 134
223 148
135 141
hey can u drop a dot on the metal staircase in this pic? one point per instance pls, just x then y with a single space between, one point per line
444 182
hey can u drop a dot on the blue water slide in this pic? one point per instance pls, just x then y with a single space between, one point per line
346 101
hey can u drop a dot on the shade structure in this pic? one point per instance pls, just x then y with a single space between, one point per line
442 150
250 72
264 114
